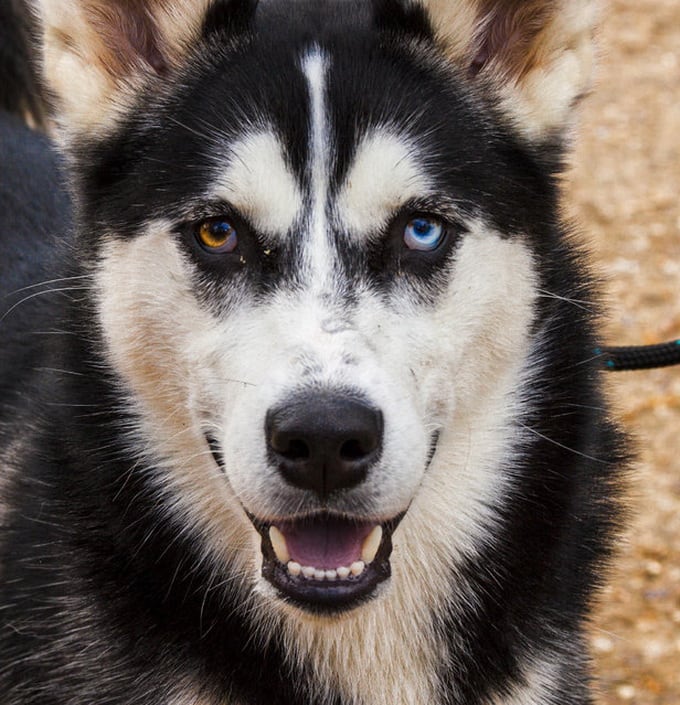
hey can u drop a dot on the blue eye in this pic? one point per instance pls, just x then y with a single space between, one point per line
425 234
217 235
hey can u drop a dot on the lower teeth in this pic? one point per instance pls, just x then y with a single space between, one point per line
311 573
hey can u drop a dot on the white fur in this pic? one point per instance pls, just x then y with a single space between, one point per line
538 687
385 174
318 257
161 342
449 516
259 184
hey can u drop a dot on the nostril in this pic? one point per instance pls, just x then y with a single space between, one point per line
288 446
297 450
353 450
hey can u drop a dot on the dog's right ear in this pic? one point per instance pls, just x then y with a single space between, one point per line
97 53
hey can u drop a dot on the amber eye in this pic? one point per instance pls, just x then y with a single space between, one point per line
217 235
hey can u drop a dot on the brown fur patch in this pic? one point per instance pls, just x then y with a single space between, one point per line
509 34
129 35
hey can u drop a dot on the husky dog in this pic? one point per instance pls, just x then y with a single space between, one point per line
305 410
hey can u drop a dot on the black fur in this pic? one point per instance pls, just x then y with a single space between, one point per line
230 17
20 93
103 598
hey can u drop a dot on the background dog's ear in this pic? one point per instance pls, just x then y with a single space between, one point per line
96 53
537 55
403 17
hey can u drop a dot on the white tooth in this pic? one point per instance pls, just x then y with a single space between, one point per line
343 573
371 544
308 571
294 568
319 574
357 568
279 544
331 575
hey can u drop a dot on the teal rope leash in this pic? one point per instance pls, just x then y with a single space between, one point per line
640 357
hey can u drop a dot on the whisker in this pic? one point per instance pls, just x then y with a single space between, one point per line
583 305
564 447
41 293
45 282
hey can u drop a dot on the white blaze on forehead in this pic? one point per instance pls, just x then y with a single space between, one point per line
260 184
314 66
386 172
318 255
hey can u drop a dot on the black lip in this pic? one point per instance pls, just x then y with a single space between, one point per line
322 596
434 443
216 450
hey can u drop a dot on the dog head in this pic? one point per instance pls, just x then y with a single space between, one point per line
312 229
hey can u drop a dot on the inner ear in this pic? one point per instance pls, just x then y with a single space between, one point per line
130 34
506 33
403 17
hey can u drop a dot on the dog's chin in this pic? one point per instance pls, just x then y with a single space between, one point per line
326 563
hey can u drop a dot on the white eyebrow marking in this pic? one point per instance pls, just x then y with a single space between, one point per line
259 183
386 173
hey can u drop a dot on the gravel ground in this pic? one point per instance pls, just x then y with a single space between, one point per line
624 189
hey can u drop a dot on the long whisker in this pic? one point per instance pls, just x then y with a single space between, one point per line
40 293
583 305
46 282
564 447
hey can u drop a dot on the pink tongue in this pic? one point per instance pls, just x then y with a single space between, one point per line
325 543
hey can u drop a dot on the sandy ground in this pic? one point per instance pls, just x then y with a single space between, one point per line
625 190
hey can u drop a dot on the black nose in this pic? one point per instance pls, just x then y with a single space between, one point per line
324 441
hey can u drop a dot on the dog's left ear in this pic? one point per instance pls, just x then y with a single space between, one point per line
536 55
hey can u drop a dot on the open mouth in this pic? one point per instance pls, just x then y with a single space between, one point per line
326 562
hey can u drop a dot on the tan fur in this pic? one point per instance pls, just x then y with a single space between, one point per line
455 22
540 54
156 353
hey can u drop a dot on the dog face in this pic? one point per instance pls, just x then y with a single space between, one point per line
315 277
